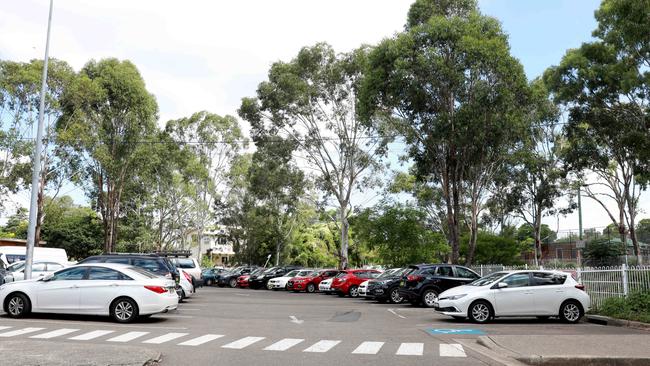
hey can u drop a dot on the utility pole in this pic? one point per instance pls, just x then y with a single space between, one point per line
36 172
579 227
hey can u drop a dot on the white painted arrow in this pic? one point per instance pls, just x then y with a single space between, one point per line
296 320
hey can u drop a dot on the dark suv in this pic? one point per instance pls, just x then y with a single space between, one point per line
423 283
386 287
230 278
261 280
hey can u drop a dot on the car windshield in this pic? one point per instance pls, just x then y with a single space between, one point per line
257 271
341 275
304 273
16 267
392 272
489 279
292 274
316 273
184 262
271 270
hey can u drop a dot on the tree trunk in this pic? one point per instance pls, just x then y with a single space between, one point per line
277 253
455 229
635 244
344 237
538 240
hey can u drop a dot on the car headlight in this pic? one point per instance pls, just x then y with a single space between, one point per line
454 297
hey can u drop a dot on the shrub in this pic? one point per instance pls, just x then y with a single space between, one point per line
636 306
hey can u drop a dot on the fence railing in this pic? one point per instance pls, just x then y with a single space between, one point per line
600 283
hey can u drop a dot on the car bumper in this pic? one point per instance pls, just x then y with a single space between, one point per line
363 292
163 305
450 307
278 285
377 293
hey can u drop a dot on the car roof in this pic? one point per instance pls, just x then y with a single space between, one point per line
105 265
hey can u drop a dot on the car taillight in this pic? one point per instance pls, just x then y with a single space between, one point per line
187 276
414 278
156 289
580 287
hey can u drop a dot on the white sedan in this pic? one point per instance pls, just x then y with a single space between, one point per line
16 271
517 294
124 292
280 283
363 288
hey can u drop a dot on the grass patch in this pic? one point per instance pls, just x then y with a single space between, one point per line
635 306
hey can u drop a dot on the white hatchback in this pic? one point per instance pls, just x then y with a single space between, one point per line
325 286
542 294
122 291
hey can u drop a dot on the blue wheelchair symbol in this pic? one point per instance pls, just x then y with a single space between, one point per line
433 331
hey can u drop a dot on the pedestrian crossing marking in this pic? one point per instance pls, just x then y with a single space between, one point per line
54 333
410 349
322 346
91 335
201 340
284 344
126 337
165 338
18 332
452 350
242 343
368 348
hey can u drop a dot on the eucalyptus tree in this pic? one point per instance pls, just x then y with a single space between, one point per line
457 94
108 118
605 84
311 100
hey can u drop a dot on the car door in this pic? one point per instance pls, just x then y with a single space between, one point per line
61 292
101 287
548 292
444 278
464 275
516 298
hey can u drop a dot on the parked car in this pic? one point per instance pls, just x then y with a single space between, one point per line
386 287
424 282
325 286
243 280
280 283
191 266
11 254
186 284
363 289
123 292
517 293
262 280
230 278
16 271
310 283
347 282
210 275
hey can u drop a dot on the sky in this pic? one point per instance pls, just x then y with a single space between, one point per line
207 55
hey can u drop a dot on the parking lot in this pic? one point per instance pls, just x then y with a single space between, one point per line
244 327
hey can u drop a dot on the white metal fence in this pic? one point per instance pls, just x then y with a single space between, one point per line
600 282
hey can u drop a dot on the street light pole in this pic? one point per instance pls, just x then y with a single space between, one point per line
36 172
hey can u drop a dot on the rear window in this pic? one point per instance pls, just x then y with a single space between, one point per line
143 272
304 273
184 262
546 279
341 275
152 265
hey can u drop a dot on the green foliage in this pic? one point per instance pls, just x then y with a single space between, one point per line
206 262
602 252
76 229
643 231
16 226
495 249
636 307
422 10
526 231
398 235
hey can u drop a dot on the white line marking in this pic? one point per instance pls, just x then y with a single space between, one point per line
201 340
284 344
54 333
295 320
86 323
164 338
18 332
91 335
242 343
322 346
4 327
393 311
128 336
452 350
368 348
410 349
176 316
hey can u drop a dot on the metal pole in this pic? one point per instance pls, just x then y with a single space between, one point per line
36 172
579 214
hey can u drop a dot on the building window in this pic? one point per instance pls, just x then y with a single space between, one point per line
558 253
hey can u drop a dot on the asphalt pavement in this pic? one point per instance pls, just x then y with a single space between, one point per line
223 326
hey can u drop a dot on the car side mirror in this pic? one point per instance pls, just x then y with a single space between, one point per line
502 285
47 277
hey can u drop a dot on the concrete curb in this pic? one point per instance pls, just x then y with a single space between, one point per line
606 320
584 361
495 357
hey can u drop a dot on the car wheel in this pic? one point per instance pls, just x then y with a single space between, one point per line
571 311
354 291
429 298
269 286
17 305
124 310
395 297
480 312
233 283
311 288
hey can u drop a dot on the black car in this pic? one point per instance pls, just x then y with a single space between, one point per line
261 280
423 283
230 278
386 287
152 262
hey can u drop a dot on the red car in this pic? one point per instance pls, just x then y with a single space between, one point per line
347 282
310 283
242 281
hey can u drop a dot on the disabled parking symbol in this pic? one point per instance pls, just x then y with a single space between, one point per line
434 331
